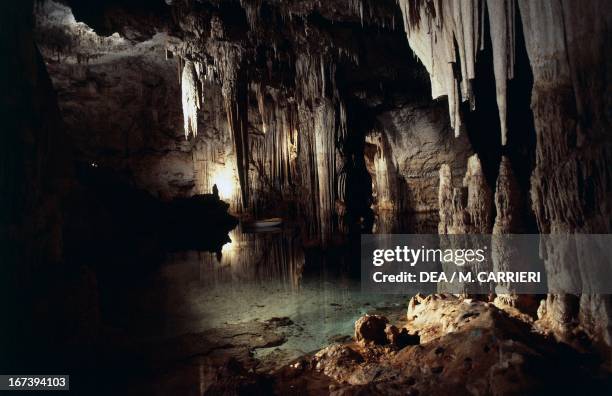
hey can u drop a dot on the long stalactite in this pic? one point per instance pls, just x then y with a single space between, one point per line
443 33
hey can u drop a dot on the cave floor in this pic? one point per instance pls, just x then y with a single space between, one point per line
265 303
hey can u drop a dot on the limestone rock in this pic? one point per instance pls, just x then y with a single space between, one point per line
400 338
479 199
466 209
336 359
370 329
120 101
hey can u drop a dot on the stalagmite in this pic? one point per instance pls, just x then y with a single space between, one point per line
508 201
190 99
570 185
381 177
505 252
445 193
465 209
479 199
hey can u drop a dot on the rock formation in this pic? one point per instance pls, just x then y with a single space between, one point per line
120 102
466 347
571 180
371 329
120 119
466 209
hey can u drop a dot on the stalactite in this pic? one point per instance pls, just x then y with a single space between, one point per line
319 103
252 9
229 64
190 99
273 152
501 21
264 112
431 31
236 109
325 155
439 29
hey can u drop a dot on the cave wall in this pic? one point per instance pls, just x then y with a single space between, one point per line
276 118
565 45
323 104
36 178
120 100
274 111
414 141
571 182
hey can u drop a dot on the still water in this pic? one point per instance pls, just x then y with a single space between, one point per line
258 276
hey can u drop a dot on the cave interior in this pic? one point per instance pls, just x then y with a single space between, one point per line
144 142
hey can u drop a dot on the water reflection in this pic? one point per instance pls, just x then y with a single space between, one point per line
258 276
273 254
390 222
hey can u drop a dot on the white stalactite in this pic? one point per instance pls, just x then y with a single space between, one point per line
439 29
190 99
501 17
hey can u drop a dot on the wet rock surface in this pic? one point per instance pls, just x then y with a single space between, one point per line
466 347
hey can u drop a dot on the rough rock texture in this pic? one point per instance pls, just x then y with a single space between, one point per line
120 101
467 347
571 182
467 209
509 205
400 338
295 108
280 114
370 329
413 142
565 45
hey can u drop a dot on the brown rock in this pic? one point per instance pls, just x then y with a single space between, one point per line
370 329
400 338
337 360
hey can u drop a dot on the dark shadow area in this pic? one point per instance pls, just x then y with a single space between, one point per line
482 124
127 227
